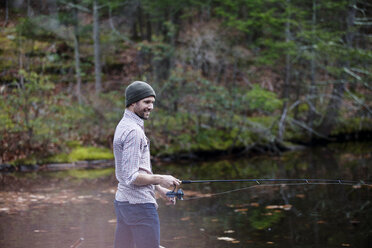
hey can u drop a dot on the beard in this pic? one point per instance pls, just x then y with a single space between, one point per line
142 113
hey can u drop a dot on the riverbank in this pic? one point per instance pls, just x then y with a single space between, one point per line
87 164
272 149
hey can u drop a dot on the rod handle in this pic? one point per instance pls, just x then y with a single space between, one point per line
186 181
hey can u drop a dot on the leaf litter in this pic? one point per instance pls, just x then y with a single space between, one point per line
14 201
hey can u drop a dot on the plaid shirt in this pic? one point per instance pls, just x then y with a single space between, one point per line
132 156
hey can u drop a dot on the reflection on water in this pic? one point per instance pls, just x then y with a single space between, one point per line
57 209
57 213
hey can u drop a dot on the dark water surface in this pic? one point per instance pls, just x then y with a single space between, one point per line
56 209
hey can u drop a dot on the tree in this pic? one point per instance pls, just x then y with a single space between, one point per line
77 54
69 16
333 108
6 13
313 91
287 76
97 48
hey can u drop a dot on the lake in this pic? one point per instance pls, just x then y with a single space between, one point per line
60 209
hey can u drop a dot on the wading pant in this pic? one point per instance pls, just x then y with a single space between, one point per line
137 225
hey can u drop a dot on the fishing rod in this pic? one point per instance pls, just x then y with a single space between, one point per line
179 194
258 181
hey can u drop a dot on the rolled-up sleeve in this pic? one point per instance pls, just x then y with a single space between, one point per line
131 156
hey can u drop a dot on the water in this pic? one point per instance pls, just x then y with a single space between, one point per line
56 209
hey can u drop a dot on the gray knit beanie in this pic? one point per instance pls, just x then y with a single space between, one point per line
137 91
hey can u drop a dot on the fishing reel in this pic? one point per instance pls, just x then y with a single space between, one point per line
175 194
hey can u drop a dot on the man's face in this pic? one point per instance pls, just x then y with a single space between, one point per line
143 107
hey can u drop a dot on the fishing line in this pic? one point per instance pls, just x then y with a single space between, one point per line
264 183
260 186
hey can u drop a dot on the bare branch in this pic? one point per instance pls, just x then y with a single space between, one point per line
352 74
123 37
304 126
307 100
360 71
359 101
281 122
363 23
79 7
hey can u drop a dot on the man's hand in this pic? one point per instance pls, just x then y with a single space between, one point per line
163 194
165 181
168 181
163 184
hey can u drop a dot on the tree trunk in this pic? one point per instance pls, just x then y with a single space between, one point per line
29 10
287 79
97 49
148 28
313 91
6 13
333 108
52 7
285 92
21 66
140 22
335 103
77 56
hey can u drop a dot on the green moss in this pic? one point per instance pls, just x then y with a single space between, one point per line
90 153
352 125
73 144
31 160
303 108
81 154
84 174
212 139
58 158
263 121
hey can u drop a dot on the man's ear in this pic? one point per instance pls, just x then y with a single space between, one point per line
131 106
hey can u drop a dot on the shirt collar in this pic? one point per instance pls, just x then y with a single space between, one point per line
132 116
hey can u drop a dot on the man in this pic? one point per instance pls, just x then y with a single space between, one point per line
135 205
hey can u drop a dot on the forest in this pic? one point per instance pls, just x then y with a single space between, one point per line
231 76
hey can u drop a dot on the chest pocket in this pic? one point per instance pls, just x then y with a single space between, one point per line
145 154
145 147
